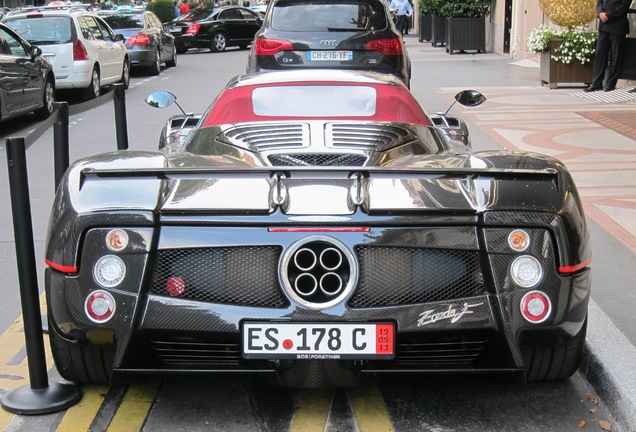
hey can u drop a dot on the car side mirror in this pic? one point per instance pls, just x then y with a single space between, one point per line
470 98
161 99
120 37
36 51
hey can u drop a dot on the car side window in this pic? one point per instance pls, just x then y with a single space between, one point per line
9 45
247 15
229 15
106 32
89 28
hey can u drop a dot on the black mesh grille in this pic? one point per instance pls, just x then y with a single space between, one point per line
392 276
313 159
245 276
459 352
193 354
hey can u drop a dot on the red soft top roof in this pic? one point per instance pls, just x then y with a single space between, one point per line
393 104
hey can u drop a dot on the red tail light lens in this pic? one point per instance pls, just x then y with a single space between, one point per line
392 46
79 51
139 40
268 47
193 29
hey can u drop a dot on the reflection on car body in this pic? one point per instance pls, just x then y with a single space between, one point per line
312 246
27 82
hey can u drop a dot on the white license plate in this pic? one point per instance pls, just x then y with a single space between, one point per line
270 340
330 55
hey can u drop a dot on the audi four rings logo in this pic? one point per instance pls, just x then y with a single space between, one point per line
318 272
328 43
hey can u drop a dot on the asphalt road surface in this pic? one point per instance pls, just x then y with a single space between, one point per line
228 403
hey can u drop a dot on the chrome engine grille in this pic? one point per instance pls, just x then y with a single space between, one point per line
317 159
269 136
365 136
246 276
392 276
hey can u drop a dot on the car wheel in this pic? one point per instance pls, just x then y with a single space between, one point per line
219 42
81 364
155 68
48 99
125 75
173 60
94 88
554 362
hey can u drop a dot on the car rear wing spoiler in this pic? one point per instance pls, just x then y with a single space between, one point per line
337 190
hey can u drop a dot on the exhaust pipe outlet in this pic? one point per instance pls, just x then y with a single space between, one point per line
330 258
305 259
306 284
330 283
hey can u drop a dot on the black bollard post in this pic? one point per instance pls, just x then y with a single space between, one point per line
39 397
61 142
121 125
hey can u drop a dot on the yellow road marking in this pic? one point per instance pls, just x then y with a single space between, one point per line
369 408
133 410
313 410
13 376
79 417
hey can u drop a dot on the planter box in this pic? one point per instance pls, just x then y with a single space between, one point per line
553 72
465 34
426 27
439 30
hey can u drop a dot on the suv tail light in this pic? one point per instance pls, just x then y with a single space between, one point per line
79 51
193 29
268 47
391 46
139 40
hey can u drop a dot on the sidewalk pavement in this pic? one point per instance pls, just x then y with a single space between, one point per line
594 135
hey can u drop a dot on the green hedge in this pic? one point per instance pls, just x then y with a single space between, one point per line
164 9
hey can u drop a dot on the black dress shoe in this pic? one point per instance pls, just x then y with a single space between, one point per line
609 88
592 88
632 90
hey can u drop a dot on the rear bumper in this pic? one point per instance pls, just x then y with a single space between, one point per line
79 77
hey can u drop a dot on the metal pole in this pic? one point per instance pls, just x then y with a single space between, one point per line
40 397
61 142
120 117
25 254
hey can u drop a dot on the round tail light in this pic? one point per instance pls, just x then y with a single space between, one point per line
175 286
109 271
99 306
526 271
535 307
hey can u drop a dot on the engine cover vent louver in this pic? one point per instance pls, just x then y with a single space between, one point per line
365 136
317 159
269 136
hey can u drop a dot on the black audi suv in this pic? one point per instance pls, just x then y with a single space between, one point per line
340 34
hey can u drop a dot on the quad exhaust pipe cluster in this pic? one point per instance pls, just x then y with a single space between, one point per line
318 271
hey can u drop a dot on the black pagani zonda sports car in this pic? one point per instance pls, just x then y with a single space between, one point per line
316 226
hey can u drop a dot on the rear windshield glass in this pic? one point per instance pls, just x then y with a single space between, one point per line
314 101
328 15
43 30
125 21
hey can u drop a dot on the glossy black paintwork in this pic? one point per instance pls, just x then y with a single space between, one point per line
426 193
22 76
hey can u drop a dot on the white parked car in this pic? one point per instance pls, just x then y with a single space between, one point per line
84 51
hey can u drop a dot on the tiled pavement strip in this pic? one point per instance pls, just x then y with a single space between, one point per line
594 135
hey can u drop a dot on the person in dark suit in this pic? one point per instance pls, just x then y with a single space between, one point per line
612 28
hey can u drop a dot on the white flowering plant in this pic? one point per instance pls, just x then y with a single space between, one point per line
577 43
